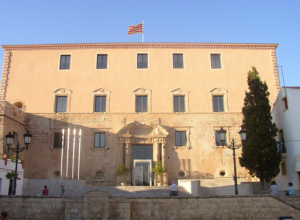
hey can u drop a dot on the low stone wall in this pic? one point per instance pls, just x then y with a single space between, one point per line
293 201
99 205
22 208
216 187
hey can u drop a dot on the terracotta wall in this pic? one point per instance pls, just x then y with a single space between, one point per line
34 74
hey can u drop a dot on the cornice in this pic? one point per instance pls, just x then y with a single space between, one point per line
138 45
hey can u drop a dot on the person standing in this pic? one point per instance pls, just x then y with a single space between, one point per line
291 190
274 189
45 191
174 190
62 191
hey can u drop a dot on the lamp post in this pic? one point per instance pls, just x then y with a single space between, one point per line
17 149
233 146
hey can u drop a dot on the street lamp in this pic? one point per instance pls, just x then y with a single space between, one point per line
17 149
233 146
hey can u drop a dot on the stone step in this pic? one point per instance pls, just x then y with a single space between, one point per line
78 188
124 191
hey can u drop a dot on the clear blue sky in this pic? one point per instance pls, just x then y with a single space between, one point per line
222 21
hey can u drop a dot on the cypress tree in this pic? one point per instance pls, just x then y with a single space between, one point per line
260 155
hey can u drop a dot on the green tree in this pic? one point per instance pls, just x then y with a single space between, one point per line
10 176
259 154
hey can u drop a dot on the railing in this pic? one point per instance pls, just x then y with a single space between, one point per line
281 147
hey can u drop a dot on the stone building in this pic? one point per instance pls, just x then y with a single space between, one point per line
131 103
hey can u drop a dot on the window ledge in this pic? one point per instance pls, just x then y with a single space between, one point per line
284 156
219 147
181 147
56 148
99 148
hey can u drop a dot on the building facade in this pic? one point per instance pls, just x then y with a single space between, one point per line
131 103
285 114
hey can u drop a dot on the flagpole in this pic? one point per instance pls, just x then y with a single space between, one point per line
143 32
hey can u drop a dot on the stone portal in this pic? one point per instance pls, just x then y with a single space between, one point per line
140 147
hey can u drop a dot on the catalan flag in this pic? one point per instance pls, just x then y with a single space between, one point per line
135 29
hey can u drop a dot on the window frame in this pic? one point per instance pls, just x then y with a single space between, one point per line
137 60
173 59
281 139
142 106
20 104
216 131
102 54
211 61
283 168
95 103
285 103
60 61
100 133
218 107
56 103
62 92
60 140
142 92
186 138
180 92
179 104
101 92
187 130
219 92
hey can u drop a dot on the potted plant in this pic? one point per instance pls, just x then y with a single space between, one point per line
121 170
158 171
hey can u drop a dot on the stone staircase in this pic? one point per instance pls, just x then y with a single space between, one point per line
128 191
76 188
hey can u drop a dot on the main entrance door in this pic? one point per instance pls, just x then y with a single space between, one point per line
142 157
142 173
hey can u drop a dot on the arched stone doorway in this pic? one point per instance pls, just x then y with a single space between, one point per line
140 146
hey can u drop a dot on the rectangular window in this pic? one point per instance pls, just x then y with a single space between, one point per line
285 104
179 103
281 141
142 103
102 61
177 61
283 168
142 61
215 61
218 103
100 103
100 140
180 138
61 103
218 139
65 62
57 142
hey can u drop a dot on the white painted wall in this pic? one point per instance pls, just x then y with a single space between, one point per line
289 121
215 187
5 182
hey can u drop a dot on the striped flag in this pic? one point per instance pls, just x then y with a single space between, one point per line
135 29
